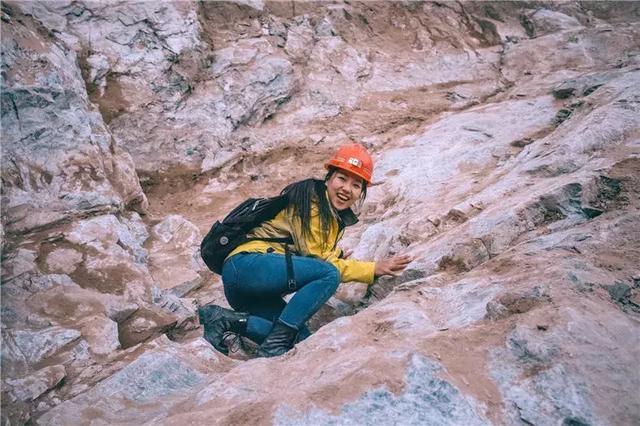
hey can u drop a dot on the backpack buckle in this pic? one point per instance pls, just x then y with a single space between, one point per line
291 283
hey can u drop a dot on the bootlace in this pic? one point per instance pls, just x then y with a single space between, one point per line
234 342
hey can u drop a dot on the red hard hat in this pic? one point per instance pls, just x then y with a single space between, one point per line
353 158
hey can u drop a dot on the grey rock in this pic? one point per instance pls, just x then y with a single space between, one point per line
496 311
37 345
385 285
133 236
619 292
511 303
151 377
525 344
17 263
471 178
583 85
170 302
14 363
119 310
547 21
300 40
554 374
183 289
562 397
63 260
50 132
250 82
109 247
427 399
78 357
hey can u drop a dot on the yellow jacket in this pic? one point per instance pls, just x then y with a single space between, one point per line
285 224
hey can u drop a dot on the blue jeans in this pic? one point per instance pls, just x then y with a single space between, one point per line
256 282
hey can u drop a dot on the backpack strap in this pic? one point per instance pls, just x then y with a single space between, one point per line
291 279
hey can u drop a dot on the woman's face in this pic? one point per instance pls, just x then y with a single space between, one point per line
344 189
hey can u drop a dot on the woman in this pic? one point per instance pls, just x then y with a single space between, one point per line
255 273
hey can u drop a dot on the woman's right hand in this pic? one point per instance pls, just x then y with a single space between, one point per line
392 265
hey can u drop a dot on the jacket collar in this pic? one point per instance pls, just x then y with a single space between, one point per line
348 217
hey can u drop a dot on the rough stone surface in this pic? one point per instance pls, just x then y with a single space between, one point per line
174 253
427 399
113 256
37 345
164 371
63 261
31 387
101 334
505 137
59 160
144 324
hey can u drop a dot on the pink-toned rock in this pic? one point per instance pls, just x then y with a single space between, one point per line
174 253
505 141
63 261
50 176
101 334
112 259
146 323
548 21
73 304
33 386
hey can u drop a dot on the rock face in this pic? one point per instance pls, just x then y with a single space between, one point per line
507 162
59 160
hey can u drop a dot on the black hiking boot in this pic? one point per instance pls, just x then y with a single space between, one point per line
217 321
279 341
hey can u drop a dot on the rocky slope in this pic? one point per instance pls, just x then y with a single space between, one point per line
507 146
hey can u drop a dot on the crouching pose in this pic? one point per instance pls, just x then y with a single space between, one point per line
255 274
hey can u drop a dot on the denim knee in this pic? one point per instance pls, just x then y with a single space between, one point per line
331 275
229 273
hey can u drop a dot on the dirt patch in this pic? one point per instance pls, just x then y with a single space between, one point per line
627 173
511 303
451 264
203 199
109 279
144 325
65 309
29 34
465 355
111 100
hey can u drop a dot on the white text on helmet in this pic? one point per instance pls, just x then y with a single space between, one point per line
355 162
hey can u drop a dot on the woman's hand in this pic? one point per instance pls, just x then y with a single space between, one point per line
346 253
392 265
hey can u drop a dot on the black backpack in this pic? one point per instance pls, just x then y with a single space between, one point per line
225 236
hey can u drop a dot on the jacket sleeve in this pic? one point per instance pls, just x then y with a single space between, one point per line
350 269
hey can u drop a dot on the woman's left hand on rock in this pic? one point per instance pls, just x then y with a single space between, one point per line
392 265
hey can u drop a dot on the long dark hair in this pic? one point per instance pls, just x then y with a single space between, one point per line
301 195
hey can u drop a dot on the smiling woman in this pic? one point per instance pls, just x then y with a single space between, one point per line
256 275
